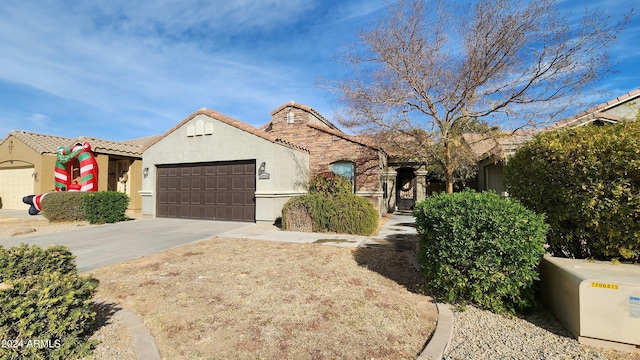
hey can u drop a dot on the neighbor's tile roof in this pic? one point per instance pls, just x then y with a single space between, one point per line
479 143
41 143
132 148
596 112
48 144
229 121
511 142
143 141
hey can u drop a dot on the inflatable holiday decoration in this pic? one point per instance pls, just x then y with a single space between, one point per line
35 201
64 181
88 168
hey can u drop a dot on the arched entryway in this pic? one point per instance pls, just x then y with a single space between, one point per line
406 189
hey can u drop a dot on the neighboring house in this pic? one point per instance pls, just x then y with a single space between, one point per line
27 162
211 166
493 154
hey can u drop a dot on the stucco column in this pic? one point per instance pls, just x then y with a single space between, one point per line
421 185
391 177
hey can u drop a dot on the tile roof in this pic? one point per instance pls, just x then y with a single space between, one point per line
511 141
229 121
498 146
141 141
126 148
596 112
48 144
480 144
41 143
340 134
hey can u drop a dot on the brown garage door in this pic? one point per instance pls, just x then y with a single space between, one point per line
212 191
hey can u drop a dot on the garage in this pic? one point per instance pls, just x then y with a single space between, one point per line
15 183
213 167
208 191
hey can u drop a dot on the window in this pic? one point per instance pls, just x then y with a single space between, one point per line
290 117
345 168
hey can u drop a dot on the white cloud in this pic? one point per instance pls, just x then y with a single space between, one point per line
141 66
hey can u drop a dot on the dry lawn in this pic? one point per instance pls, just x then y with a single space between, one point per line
19 227
241 299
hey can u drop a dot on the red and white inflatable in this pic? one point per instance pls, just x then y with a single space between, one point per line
79 155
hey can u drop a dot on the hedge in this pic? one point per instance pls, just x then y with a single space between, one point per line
64 206
96 207
106 207
587 182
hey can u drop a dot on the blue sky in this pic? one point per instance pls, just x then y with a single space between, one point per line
122 69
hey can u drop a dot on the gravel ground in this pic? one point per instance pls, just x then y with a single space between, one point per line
116 343
480 334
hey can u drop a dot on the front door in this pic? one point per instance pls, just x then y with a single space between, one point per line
406 189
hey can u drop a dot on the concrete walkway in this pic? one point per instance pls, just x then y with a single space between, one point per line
102 245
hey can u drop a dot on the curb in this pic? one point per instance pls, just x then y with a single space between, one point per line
439 342
144 345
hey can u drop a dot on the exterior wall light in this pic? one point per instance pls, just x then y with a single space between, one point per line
262 171
145 172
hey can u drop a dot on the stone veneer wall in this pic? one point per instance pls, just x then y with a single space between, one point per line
326 147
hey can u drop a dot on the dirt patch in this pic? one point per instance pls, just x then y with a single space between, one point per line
242 299
16 227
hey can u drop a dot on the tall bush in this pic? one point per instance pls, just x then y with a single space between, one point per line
480 248
587 182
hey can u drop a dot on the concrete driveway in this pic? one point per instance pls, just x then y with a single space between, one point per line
97 246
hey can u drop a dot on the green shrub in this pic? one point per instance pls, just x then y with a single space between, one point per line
106 207
96 207
352 214
330 207
21 261
587 182
64 206
480 248
45 309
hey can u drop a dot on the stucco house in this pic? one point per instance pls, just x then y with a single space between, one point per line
211 166
27 162
493 154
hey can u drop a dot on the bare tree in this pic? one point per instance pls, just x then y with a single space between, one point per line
427 73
